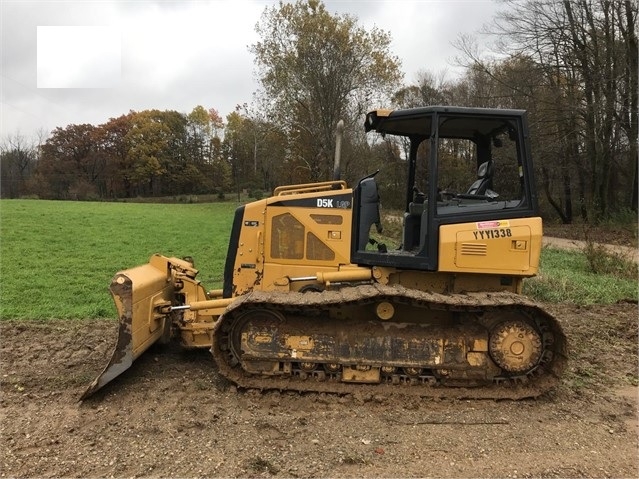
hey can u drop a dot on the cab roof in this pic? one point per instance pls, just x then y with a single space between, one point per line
467 122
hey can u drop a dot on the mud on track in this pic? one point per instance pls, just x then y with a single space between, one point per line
171 414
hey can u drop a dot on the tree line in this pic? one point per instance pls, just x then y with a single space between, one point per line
571 64
146 153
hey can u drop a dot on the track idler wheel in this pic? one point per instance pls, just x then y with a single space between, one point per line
308 367
515 346
332 367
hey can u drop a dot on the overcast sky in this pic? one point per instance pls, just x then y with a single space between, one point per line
73 62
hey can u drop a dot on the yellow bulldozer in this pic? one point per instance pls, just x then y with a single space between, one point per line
314 298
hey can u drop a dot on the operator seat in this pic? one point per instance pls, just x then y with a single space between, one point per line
484 179
369 210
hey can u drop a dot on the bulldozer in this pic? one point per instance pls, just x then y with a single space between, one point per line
315 298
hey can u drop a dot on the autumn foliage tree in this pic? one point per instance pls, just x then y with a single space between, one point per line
316 68
146 153
71 162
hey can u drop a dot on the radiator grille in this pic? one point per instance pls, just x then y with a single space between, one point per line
473 249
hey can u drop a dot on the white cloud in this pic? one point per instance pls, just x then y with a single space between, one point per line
423 31
162 47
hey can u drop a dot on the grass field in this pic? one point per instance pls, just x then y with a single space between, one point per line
567 276
57 258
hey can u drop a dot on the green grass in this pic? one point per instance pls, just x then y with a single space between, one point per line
57 258
567 276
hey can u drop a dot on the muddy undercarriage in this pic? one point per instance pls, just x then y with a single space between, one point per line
374 337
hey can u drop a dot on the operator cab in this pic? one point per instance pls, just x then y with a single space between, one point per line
463 165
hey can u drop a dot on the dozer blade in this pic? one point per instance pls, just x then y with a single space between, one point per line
138 293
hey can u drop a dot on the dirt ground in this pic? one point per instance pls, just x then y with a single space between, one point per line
172 415
622 235
629 253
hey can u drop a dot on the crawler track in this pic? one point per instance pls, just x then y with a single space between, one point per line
429 345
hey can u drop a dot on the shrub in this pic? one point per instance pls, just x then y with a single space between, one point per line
256 194
601 260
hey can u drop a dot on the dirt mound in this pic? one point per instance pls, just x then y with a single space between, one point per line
172 415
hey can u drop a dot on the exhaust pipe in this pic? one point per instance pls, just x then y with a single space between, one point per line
338 150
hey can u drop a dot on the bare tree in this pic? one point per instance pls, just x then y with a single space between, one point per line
18 158
586 107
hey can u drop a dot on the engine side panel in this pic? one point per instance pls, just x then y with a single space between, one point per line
508 247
